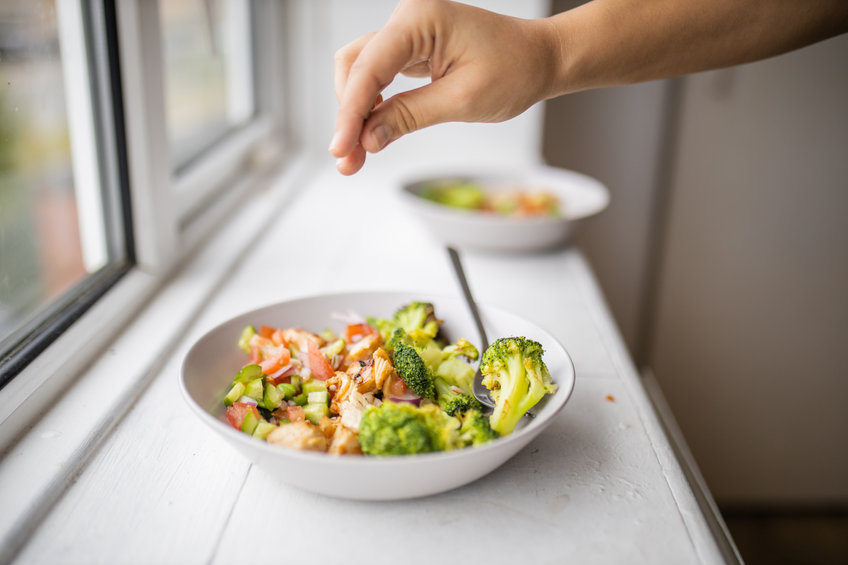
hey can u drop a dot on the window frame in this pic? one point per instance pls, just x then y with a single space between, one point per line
171 213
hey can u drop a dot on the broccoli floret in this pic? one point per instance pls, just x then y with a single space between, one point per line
393 429
417 319
517 379
410 366
400 428
475 428
462 347
444 429
418 316
453 400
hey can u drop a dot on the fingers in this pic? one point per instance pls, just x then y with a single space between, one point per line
343 60
380 58
351 162
435 103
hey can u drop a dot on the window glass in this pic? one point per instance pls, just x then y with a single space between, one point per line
52 230
206 47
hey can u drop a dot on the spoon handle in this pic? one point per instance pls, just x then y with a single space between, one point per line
480 392
469 299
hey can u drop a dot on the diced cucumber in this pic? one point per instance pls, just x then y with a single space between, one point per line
314 412
332 349
314 385
248 373
288 390
235 393
320 397
272 397
296 381
244 340
327 335
254 390
301 399
262 430
248 425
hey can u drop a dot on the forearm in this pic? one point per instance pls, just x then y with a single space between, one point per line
612 42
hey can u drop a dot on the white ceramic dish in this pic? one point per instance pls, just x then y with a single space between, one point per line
209 366
581 196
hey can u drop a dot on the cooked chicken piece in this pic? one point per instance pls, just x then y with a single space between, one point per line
383 367
353 406
364 348
345 442
340 384
299 435
328 426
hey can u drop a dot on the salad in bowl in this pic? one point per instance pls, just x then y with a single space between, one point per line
350 397
381 387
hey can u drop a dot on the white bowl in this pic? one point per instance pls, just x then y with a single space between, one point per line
580 197
210 365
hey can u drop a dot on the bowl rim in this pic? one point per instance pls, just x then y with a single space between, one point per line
550 410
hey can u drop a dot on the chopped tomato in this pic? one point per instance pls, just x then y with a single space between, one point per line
319 365
284 378
398 388
355 332
295 413
277 337
237 412
275 358
266 332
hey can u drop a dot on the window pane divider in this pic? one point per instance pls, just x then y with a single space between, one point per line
153 212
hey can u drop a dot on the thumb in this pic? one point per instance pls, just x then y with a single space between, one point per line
410 111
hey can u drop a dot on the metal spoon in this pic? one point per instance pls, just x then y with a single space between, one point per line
481 393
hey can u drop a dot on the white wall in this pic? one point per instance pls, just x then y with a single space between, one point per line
748 195
751 342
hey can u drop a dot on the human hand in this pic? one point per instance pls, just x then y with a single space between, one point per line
484 67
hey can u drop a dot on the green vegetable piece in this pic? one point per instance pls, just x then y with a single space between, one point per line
517 379
418 319
400 428
244 341
453 400
254 390
301 399
248 373
236 392
475 429
248 425
296 381
410 367
262 430
465 195
273 397
333 348
315 412
393 429
319 397
314 385
288 390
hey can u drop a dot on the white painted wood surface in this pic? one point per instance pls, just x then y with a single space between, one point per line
600 486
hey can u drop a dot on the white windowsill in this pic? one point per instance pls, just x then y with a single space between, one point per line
48 455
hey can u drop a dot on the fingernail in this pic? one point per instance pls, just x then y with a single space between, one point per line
382 134
333 142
